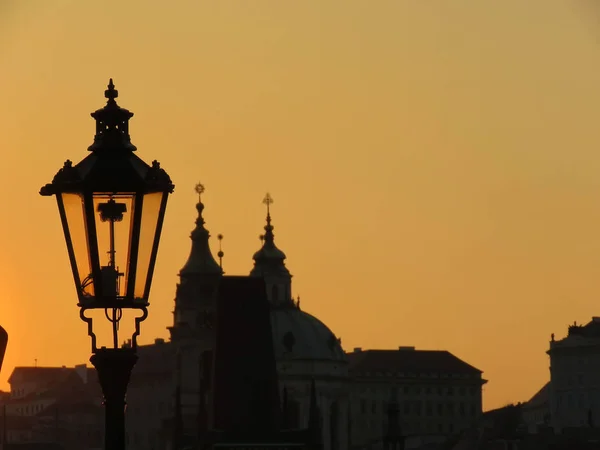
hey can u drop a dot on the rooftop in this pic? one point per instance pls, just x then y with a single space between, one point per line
407 359
540 398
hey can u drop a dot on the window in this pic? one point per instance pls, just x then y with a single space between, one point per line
450 391
462 390
428 408
363 406
461 409
440 409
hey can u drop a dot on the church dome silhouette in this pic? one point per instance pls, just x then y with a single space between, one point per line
299 335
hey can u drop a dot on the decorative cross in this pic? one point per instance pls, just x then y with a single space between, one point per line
268 200
199 190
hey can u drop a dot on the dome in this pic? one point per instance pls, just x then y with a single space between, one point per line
298 335
269 252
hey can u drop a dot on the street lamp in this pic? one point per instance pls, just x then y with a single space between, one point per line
112 205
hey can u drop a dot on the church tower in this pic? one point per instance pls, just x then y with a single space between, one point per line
269 264
192 332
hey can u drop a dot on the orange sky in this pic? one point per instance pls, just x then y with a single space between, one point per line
435 165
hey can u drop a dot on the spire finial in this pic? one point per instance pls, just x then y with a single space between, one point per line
268 200
111 93
199 190
268 236
220 254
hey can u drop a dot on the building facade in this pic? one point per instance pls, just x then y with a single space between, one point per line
536 411
575 377
438 394
58 406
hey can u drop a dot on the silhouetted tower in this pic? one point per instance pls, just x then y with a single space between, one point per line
393 438
192 332
247 411
269 263
245 388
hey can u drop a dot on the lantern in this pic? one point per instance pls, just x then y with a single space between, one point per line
111 205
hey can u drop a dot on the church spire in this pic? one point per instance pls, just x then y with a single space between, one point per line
269 263
201 260
269 258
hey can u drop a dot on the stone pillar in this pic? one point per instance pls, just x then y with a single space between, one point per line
342 437
325 415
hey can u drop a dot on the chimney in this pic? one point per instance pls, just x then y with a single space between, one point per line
596 319
158 341
406 348
357 349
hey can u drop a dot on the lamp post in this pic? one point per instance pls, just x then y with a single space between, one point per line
112 205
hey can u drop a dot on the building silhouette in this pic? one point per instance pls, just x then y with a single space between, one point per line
574 388
367 399
53 406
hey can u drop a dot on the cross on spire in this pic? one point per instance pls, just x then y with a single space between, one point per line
268 200
199 190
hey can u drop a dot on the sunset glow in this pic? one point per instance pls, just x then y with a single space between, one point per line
434 165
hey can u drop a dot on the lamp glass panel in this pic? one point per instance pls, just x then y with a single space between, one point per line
113 215
77 242
151 212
